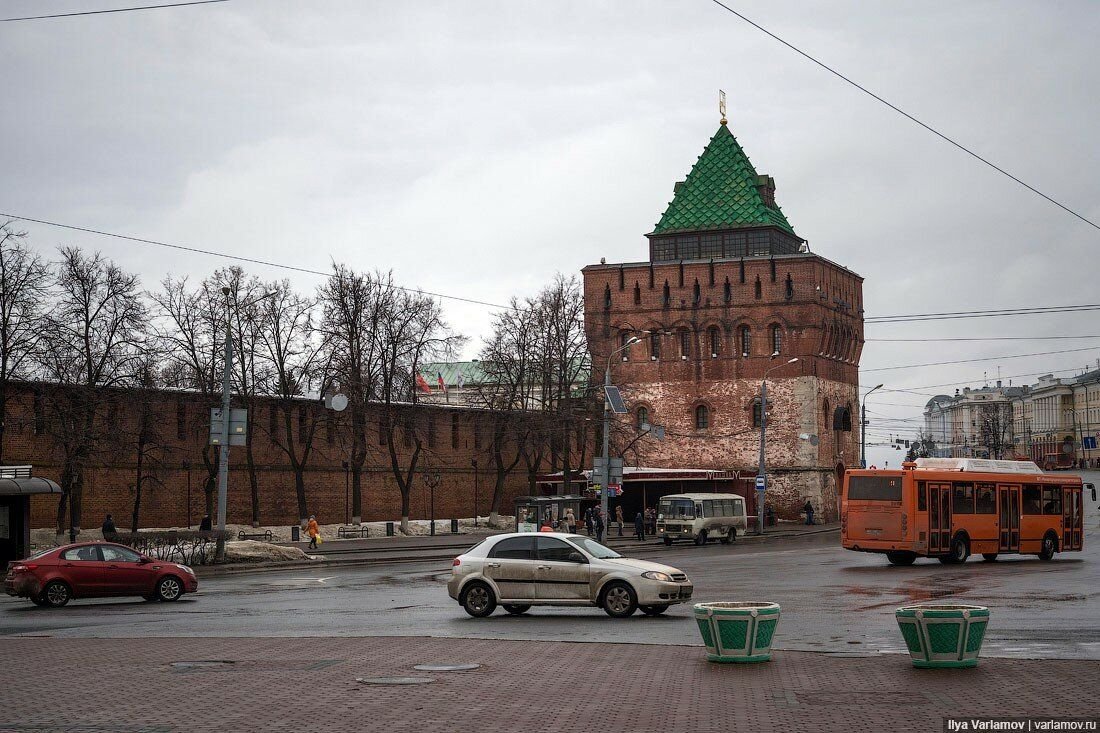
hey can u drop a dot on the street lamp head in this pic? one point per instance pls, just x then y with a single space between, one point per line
792 361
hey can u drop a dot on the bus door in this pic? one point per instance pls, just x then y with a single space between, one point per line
1008 518
1071 518
939 518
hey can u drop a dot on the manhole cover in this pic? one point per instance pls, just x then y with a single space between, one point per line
394 680
446 667
202 664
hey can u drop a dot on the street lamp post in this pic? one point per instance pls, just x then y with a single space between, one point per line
347 493
607 425
863 429
761 474
473 462
223 453
431 478
186 466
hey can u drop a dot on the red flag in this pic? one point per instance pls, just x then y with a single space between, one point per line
439 379
423 384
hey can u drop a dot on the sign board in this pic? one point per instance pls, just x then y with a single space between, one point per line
615 399
759 483
1089 442
238 426
614 489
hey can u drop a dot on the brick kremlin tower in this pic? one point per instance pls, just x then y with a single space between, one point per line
730 292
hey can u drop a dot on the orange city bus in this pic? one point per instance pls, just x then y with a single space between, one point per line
950 508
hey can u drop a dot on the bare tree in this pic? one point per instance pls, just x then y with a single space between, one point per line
24 283
995 428
145 437
296 356
94 338
353 305
411 332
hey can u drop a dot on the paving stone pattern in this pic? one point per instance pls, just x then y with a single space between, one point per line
131 686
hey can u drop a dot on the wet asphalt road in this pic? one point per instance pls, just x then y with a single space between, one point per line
833 601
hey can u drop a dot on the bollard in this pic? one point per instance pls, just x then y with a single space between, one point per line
295 533
389 529
454 526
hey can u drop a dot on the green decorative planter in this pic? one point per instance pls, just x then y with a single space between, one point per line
948 636
739 631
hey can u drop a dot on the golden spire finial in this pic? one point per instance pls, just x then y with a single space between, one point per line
722 105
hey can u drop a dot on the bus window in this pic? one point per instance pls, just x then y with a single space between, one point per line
709 509
922 497
738 508
1052 500
963 499
1032 500
985 499
874 488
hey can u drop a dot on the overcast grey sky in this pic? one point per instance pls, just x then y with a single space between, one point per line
476 148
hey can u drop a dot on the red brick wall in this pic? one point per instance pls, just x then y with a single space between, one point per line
109 482
820 321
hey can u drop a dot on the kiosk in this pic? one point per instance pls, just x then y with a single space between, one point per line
16 488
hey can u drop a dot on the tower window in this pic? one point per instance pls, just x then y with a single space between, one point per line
757 418
624 344
654 345
757 288
685 343
607 297
642 418
727 291
777 340
702 417
666 296
746 340
637 293
714 338
788 292
696 296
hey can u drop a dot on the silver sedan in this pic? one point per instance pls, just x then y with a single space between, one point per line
524 569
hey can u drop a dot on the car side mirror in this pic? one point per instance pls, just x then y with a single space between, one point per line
145 560
576 557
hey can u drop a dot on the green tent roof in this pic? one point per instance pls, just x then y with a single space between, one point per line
720 193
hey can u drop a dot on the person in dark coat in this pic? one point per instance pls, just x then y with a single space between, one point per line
639 526
110 532
206 525
599 522
589 522
809 509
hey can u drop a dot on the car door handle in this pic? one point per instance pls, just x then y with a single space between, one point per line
113 566
492 565
544 567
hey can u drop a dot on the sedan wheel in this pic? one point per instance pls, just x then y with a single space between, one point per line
56 594
478 600
619 600
169 588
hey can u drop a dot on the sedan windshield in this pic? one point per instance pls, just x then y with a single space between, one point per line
593 548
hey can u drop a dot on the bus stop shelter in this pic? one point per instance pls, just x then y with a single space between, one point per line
16 490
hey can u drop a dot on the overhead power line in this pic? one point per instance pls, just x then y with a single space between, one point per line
951 315
910 117
113 10
987 358
911 390
237 258
983 338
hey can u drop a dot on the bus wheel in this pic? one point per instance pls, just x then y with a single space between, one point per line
668 542
731 537
945 559
1050 546
960 550
701 538
901 558
989 556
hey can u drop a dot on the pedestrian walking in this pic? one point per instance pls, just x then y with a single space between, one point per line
589 521
639 526
110 533
597 519
619 519
809 509
314 532
570 521
651 520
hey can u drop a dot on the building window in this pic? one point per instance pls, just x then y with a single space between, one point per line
777 340
685 343
735 244
607 297
714 338
746 340
454 431
702 417
788 291
727 291
637 293
622 279
710 246
696 295
666 296
642 418
756 418
842 419
757 289
655 345
624 344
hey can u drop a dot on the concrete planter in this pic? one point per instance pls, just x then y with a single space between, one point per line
738 631
947 636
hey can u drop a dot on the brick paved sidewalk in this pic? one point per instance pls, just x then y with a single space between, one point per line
309 686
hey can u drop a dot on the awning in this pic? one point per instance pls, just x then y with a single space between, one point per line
27 486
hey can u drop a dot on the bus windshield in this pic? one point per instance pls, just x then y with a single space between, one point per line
676 509
874 488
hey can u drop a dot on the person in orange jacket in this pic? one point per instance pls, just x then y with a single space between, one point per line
313 531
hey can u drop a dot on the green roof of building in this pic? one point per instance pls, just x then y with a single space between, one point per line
720 192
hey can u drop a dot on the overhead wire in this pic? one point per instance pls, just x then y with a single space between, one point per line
908 116
113 10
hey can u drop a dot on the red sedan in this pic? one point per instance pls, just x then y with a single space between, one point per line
96 570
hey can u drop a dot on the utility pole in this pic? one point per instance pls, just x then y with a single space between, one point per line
863 430
607 426
761 472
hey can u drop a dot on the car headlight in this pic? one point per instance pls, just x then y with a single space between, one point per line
186 569
655 575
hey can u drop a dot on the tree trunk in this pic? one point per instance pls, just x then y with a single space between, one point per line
135 515
300 492
253 482
208 487
356 494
